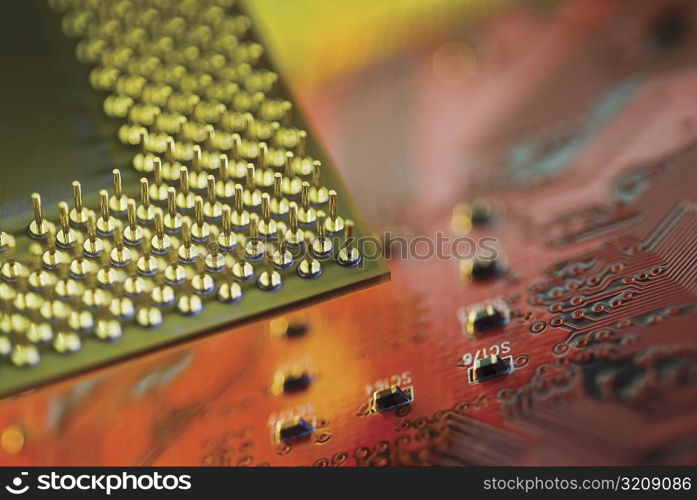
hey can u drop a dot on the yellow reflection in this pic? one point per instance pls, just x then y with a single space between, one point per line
12 439
317 40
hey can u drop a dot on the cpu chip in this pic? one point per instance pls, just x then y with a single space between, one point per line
223 207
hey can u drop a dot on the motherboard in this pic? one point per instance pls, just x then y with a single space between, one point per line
535 211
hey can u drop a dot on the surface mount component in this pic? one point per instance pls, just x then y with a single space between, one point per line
493 315
482 269
292 327
291 381
482 212
391 398
221 214
293 429
295 382
490 367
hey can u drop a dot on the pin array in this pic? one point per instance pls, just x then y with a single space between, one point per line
228 196
91 275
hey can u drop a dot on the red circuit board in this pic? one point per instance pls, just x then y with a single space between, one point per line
580 130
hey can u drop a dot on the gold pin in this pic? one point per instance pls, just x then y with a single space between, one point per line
252 196
15 323
145 212
25 300
108 329
264 175
242 270
212 209
149 316
202 282
171 167
78 215
52 257
318 193
309 267
302 144
187 252
11 269
173 220
38 332
200 231
282 258
349 254
279 204
185 198
121 306
269 280
66 342
230 292
118 203
197 178
39 279
334 223
288 165
25 354
38 227
225 188
160 243
79 322
294 235
240 217
175 274
107 275
307 215
162 294
209 141
169 151
214 261
189 304
93 246
93 297
134 285
292 185
66 288
253 246
238 169
158 190
120 255
141 161
66 235
133 234
105 224
261 157
267 226
147 264
227 240
321 245
80 266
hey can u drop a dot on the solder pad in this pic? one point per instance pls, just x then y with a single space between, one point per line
161 70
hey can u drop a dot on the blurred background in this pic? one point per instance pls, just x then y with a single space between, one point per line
334 40
401 91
